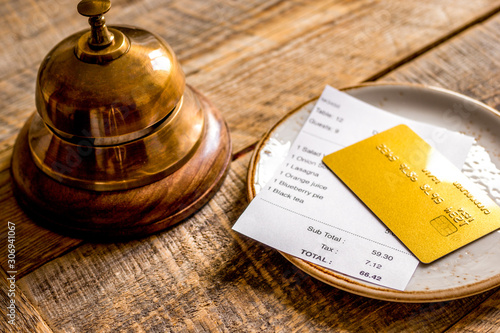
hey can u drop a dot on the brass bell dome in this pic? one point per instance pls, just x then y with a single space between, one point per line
114 119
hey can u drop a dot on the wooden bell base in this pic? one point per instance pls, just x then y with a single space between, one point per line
106 216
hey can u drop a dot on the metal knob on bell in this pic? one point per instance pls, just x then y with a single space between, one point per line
119 146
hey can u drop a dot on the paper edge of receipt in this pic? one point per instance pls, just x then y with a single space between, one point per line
273 220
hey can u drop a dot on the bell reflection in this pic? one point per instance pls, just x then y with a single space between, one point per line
159 61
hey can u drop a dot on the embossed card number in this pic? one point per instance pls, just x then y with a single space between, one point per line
422 197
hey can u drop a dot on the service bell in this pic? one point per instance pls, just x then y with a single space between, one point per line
119 146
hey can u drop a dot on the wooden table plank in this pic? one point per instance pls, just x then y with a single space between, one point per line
468 64
485 318
202 276
19 316
204 31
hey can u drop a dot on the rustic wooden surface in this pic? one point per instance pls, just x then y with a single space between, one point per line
25 316
256 61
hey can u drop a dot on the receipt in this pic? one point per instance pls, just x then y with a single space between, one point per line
307 212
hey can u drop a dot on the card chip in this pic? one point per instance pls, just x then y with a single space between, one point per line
443 225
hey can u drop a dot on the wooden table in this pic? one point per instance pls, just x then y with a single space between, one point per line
256 60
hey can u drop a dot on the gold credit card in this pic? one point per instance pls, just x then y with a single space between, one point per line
419 194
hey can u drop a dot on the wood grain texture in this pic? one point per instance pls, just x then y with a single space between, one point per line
23 317
485 318
468 64
201 276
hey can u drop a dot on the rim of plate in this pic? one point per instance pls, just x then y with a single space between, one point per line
358 287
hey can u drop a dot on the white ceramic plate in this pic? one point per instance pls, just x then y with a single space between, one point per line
470 270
